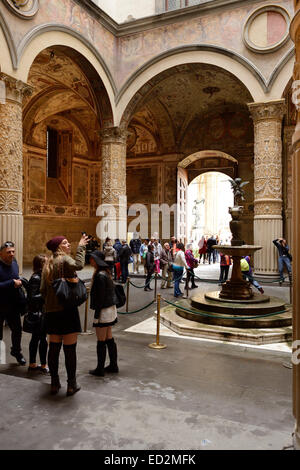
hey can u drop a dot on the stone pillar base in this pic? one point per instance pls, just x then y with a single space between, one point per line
265 231
11 229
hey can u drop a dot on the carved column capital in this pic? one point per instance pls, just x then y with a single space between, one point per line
271 110
15 89
114 135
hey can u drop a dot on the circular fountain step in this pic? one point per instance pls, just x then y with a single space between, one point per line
282 319
257 305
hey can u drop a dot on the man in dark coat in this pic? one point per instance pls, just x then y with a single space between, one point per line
135 245
124 256
10 303
209 248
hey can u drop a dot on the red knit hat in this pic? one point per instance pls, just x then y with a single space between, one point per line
54 243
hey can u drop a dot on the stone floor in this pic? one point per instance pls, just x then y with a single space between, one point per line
195 394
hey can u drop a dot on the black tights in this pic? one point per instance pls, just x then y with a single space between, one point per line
38 342
70 359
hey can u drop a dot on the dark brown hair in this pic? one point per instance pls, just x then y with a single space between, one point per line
38 263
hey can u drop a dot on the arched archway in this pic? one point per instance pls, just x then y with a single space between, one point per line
62 120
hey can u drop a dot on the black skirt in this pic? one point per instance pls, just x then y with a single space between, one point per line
64 322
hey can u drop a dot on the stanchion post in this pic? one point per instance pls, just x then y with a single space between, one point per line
155 285
187 284
157 345
127 296
86 308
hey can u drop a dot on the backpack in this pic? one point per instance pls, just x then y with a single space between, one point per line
120 295
244 265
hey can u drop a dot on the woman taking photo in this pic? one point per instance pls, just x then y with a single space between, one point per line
62 322
103 301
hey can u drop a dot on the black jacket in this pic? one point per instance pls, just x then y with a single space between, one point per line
34 297
124 254
150 265
8 293
135 245
102 292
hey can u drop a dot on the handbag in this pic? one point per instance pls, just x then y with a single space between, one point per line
120 295
32 321
71 292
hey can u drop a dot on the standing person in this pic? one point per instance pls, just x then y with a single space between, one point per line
209 247
109 255
103 301
165 262
117 246
178 265
124 256
62 322
150 266
192 263
34 320
173 246
10 308
135 245
284 258
225 263
157 248
143 253
247 273
202 249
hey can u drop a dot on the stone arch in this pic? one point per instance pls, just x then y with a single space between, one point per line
54 35
135 88
8 53
281 75
205 154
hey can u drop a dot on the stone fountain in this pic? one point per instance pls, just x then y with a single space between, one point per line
229 313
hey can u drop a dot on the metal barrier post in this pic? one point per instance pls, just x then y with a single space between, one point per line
157 345
86 308
127 297
155 285
187 284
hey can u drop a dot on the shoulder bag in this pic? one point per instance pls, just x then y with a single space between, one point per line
70 291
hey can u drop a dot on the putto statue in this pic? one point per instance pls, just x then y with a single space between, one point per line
236 186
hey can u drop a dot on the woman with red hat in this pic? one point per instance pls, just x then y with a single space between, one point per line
62 322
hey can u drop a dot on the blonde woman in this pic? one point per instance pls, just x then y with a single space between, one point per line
62 322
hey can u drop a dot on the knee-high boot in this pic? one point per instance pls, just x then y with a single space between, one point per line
113 356
101 355
53 361
71 364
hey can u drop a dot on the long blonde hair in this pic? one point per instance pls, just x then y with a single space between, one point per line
47 272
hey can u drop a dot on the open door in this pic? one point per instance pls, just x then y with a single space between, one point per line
182 187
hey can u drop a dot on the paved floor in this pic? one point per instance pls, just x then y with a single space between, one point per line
195 394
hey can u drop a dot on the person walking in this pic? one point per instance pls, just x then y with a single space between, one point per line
247 273
225 263
284 258
135 245
157 248
210 250
178 266
192 263
124 256
150 266
117 272
103 301
10 301
143 253
165 263
202 249
62 322
34 320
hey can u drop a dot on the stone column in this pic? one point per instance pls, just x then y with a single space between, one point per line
113 191
295 35
267 118
11 164
287 178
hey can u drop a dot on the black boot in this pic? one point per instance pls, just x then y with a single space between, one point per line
101 355
113 356
71 363
53 362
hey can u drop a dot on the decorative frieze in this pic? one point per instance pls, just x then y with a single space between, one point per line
15 90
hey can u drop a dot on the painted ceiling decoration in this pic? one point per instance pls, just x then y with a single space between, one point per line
175 100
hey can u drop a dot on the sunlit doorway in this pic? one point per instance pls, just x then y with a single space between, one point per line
209 196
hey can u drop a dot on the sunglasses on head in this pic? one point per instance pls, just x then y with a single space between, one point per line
7 245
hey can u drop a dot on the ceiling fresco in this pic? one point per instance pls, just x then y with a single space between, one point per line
176 103
64 87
